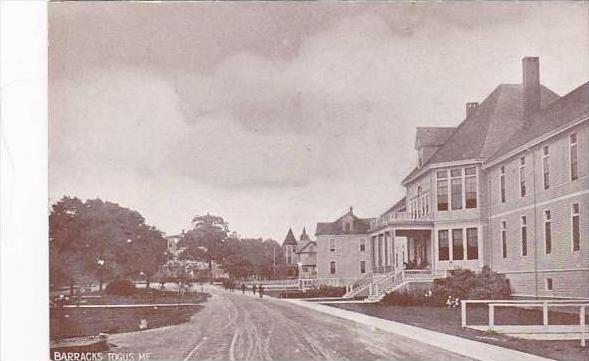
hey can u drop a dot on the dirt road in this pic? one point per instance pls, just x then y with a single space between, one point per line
233 326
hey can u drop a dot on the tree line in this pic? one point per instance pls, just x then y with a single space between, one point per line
98 241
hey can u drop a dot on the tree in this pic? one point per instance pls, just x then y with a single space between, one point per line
100 240
206 241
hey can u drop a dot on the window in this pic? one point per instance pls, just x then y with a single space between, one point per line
524 236
456 188
549 284
470 186
546 166
472 243
522 176
547 232
457 245
362 245
442 190
362 266
576 230
332 245
574 166
347 226
443 247
504 239
502 182
332 267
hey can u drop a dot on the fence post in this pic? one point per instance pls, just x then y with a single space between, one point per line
491 316
545 313
582 325
463 312
370 288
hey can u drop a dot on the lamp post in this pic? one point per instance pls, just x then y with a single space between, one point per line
100 263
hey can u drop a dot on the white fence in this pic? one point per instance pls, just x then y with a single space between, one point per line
544 304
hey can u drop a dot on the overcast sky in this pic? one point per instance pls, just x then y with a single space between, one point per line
276 114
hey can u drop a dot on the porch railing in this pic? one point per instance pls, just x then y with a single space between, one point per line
395 217
382 269
423 274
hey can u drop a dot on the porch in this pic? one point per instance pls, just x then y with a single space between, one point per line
393 250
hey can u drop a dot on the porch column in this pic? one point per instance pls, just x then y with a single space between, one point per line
386 249
380 236
372 253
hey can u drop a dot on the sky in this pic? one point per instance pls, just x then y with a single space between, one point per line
277 114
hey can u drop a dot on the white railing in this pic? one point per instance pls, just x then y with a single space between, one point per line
492 304
392 281
336 282
395 217
423 274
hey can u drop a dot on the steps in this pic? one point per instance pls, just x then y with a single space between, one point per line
395 281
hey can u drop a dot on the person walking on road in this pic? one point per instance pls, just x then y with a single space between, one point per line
243 288
254 289
261 290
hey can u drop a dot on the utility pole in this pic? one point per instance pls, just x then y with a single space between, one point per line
274 263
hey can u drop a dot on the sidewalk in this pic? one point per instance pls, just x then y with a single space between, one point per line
462 346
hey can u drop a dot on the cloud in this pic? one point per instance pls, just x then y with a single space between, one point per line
287 136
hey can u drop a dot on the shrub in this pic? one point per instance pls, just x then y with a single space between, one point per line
120 288
407 298
325 291
464 284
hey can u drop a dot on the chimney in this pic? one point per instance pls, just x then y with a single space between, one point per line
531 85
471 108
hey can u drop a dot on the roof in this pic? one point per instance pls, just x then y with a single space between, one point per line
400 206
570 107
433 136
302 250
487 128
304 235
290 239
359 226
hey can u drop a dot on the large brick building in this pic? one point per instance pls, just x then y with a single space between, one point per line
507 188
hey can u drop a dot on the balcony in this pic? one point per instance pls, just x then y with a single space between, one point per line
418 210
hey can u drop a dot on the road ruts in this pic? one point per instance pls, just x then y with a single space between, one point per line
233 326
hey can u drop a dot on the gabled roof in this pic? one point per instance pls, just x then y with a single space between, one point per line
290 239
570 107
400 206
305 246
359 226
487 128
432 136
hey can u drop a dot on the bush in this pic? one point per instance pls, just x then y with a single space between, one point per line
464 284
120 288
325 291
407 298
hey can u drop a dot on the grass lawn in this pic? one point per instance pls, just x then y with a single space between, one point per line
447 320
72 322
